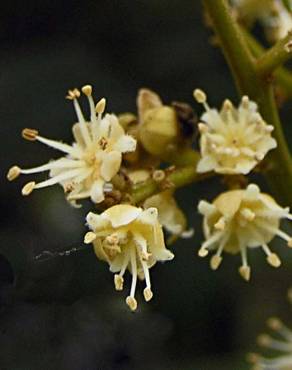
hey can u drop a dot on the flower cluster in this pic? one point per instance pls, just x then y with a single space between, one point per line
113 155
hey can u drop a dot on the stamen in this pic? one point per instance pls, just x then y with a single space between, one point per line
148 294
29 134
59 178
272 258
244 269
89 237
134 278
83 125
13 173
60 163
28 188
58 145
87 90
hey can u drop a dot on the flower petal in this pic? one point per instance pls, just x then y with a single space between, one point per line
111 163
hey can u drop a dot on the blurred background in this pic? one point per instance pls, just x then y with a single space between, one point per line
63 313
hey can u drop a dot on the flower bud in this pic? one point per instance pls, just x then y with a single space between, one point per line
159 129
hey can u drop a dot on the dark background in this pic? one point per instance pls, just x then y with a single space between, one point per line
63 313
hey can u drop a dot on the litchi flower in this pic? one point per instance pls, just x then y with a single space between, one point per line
242 219
282 344
91 161
234 140
130 238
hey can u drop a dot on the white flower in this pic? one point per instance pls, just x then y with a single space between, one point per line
282 345
130 238
234 140
91 161
242 219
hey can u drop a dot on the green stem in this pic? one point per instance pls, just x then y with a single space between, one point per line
279 164
275 56
282 76
177 179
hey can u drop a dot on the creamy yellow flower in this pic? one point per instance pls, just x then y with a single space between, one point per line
91 161
234 140
130 238
282 344
242 219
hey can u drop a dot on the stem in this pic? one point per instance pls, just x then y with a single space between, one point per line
278 163
282 75
275 56
177 179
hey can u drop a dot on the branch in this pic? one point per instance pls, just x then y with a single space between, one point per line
282 75
275 56
176 179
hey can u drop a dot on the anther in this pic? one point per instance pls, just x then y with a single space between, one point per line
13 173
227 105
132 303
87 90
28 188
203 252
100 106
119 282
289 243
203 128
29 134
215 262
274 323
148 294
220 224
245 101
244 272
200 96
89 237
274 260
264 340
